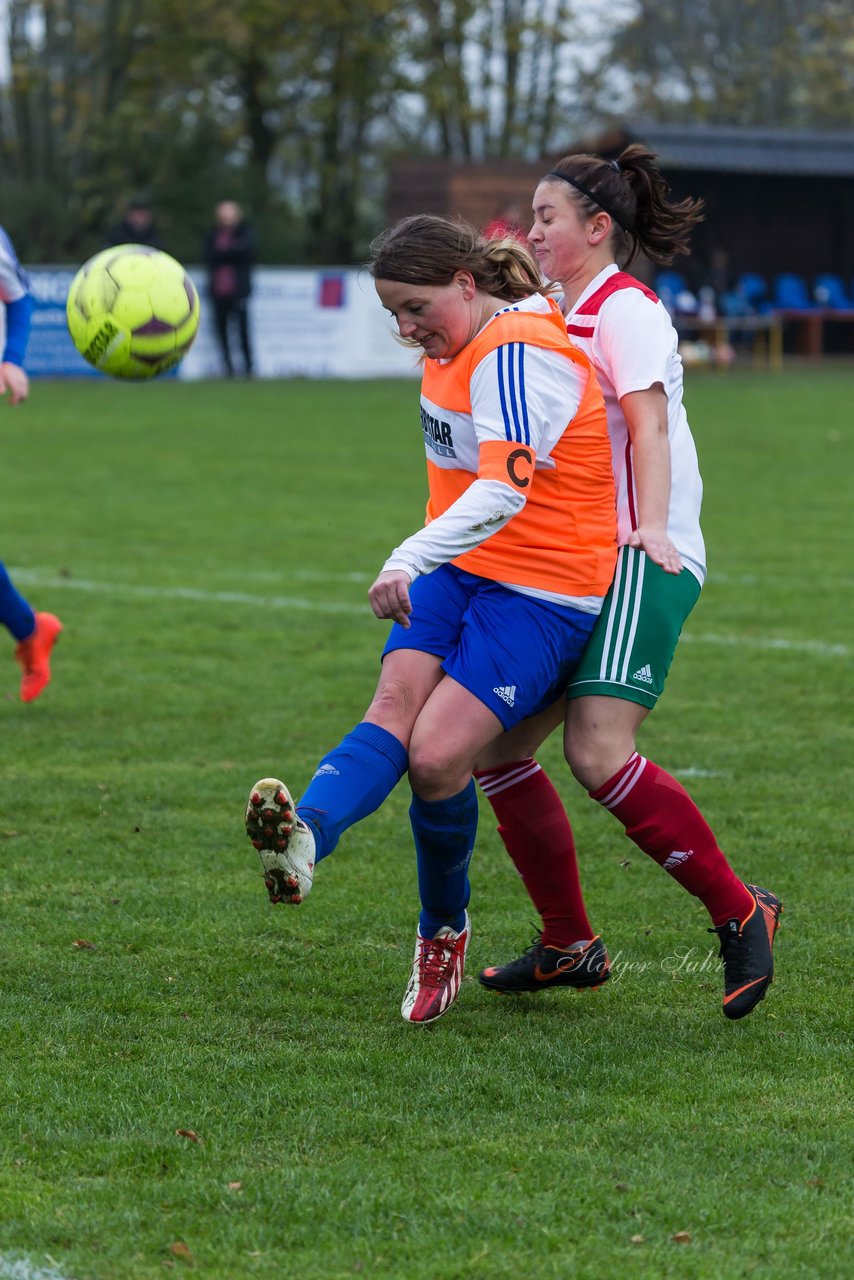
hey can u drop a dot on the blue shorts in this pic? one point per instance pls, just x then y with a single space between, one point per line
516 654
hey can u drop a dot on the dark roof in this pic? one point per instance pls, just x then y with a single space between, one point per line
734 149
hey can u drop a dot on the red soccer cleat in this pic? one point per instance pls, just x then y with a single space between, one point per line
437 974
33 655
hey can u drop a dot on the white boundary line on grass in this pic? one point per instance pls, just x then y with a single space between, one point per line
32 577
777 580
839 582
819 647
128 590
23 1269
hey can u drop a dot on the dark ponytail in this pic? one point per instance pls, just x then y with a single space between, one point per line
634 192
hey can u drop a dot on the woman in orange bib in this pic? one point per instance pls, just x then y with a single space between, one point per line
492 601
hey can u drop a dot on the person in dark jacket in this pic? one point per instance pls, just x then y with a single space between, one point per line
136 226
229 252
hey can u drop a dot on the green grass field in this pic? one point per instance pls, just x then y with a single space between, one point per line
208 548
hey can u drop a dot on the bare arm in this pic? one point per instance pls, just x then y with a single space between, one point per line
646 416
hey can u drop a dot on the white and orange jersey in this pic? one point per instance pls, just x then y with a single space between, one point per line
629 336
518 462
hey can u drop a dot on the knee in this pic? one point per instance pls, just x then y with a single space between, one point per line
394 707
593 759
583 760
432 775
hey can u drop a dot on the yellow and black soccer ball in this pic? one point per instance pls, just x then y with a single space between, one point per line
132 311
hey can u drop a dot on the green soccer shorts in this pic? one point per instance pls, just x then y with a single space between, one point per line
632 645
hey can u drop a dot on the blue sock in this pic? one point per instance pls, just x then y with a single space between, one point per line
444 832
351 782
15 614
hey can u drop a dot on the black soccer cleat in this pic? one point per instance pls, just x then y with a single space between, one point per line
542 967
747 953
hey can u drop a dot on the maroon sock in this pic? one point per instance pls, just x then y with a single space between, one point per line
533 824
664 822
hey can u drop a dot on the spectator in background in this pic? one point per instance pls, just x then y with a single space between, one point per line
509 221
229 252
35 633
136 226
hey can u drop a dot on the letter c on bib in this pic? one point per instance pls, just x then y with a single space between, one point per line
518 455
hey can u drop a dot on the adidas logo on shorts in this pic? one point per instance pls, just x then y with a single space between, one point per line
644 674
507 693
677 857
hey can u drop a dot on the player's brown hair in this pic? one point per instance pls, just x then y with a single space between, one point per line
430 249
633 190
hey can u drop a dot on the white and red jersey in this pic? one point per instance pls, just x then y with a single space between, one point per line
627 333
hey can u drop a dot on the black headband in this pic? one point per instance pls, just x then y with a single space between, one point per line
620 221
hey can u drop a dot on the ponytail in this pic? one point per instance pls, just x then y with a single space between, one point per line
516 270
634 192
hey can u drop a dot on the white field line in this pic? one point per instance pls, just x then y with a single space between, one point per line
695 772
718 579
818 647
777 580
23 1269
128 590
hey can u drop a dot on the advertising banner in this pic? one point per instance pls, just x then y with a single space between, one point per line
315 323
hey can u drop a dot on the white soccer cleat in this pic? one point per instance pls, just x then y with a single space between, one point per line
437 974
284 843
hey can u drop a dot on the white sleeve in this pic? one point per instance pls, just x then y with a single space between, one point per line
12 281
525 395
634 341
520 394
484 508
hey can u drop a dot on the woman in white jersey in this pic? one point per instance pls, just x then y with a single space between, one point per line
591 218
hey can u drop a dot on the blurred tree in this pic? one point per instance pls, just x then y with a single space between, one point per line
496 79
293 108
773 63
346 69
99 106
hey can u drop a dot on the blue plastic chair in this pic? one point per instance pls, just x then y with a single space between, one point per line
830 292
791 293
749 295
668 284
752 287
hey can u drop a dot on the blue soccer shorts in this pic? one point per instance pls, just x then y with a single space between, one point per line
515 653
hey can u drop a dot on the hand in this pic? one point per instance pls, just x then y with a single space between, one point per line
15 381
389 596
658 547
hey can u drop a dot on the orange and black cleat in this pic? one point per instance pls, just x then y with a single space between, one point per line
543 967
747 953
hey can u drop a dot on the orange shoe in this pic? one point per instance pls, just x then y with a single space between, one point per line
33 655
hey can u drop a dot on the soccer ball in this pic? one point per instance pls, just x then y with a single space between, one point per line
132 311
